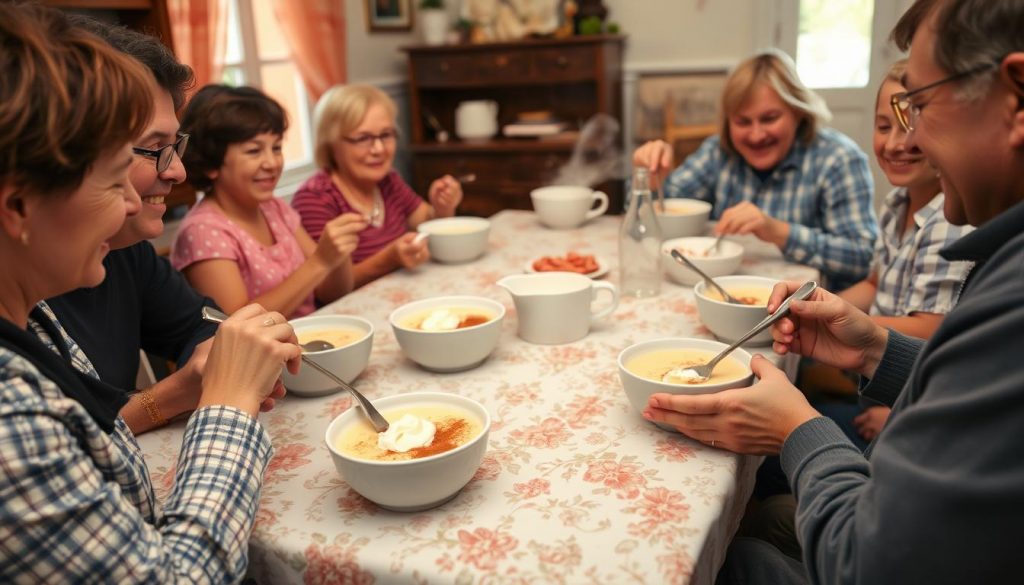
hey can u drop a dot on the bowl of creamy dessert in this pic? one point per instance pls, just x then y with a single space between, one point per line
453 240
450 333
729 321
680 218
660 366
702 252
433 447
352 338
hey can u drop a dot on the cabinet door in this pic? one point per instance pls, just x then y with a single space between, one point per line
561 64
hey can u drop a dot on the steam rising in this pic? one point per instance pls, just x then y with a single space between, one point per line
596 156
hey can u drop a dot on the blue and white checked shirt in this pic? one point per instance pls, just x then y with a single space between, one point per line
822 189
77 505
912 277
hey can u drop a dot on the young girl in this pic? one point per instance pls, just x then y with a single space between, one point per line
240 244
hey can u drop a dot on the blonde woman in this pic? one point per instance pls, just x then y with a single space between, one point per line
775 172
356 140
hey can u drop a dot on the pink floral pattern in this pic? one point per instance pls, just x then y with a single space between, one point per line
575 485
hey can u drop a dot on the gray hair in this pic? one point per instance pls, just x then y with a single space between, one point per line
970 34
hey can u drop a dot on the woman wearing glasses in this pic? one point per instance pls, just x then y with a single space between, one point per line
241 244
775 172
355 150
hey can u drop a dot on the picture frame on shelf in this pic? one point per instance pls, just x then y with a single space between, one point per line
681 108
388 15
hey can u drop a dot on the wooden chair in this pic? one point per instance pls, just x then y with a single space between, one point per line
684 138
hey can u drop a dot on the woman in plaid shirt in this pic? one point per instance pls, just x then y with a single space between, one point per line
76 504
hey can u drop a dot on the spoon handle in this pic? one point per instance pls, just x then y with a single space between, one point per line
801 293
379 422
710 281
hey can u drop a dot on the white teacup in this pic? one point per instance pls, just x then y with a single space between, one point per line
555 307
563 207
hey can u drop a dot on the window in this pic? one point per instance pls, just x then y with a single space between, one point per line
257 55
834 42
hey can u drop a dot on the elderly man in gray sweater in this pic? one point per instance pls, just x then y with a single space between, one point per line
939 496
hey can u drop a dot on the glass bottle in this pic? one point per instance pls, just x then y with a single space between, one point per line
640 262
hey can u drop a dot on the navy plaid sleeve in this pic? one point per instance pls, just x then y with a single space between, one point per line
842 248
68 515
696 178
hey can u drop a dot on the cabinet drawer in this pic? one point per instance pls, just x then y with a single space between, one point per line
564 64
483 69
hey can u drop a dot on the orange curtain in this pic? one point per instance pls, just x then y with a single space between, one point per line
199 29
315 31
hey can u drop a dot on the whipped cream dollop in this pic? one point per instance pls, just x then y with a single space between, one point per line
681 376
408 432
440 320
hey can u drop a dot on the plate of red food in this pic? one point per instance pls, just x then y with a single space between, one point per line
585 264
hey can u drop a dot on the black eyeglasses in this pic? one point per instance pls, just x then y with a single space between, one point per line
907 114
366 141
164 155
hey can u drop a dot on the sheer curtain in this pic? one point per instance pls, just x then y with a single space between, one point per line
199 29
315 31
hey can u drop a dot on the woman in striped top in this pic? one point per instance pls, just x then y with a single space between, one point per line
355 150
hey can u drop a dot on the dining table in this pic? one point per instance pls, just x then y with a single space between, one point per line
576 486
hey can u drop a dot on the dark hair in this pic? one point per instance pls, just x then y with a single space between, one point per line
969 34
67 98
218 116
171 74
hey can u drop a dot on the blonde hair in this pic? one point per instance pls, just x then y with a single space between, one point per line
776 70
895 73
338 112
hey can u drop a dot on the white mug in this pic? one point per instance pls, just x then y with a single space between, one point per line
555 307
564 207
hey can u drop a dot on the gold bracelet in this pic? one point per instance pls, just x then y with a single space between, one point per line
149 403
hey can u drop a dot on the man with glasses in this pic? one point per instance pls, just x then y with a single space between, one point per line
143 302
938 497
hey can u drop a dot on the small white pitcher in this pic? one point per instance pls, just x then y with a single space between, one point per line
555 307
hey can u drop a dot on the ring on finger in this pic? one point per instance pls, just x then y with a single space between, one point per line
269 321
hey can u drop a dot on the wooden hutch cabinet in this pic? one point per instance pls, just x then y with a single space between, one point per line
573 78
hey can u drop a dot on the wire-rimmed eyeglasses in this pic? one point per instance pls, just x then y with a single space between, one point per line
907 114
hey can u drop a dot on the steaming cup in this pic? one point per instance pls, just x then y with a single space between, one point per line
565 207
556 307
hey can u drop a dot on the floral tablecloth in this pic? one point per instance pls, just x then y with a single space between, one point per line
576 486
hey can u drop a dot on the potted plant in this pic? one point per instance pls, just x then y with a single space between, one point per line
433 21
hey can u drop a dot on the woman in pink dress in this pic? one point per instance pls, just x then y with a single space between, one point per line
355 149
240 244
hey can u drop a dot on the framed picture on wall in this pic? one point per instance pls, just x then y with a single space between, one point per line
388 15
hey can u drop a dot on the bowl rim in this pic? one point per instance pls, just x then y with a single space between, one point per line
667 245
412 396
704 205
701 285
479 222
370 330
406 307
546 193
669 387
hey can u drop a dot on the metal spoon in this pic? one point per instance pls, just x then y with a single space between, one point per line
315 345
710 282
376 418
700 374
714 247
467 178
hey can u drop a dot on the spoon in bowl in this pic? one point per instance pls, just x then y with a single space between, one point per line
376 418
700 374
315 345
710 282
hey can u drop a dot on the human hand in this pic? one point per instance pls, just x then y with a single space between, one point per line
747 218
444 195
339 239
754 420
870 422
828 329
655 155
244 363
410 253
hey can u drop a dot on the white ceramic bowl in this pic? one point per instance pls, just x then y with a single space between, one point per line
725 261
639 390
728 321
448 351
456 239
415 484
346 362
683 218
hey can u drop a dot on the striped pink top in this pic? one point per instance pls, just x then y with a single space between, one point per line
319 200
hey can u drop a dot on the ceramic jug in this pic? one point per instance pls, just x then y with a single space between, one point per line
555 307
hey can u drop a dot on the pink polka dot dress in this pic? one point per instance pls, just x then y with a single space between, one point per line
207 234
